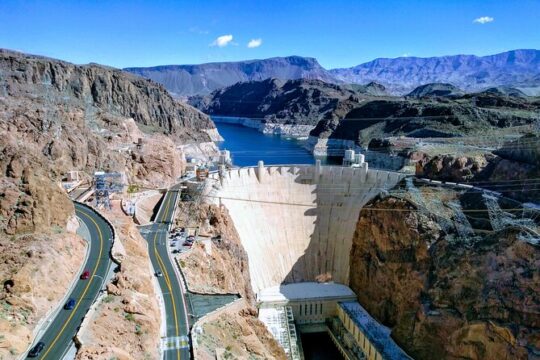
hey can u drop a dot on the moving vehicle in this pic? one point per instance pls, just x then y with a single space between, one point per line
85 275
159 274
36 350
70 304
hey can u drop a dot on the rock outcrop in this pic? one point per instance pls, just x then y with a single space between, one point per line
294 102
56 117
510 170
442 296
434 90
236 333
467 116
29 291
223 270
99 89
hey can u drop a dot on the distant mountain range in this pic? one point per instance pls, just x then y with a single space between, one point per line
187 80
516 68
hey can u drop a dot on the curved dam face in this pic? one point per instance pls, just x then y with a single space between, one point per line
296 223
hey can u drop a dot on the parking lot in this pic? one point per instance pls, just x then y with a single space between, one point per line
181 239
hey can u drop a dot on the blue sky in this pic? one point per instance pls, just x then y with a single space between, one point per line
338 33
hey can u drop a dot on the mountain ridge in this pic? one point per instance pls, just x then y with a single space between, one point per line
185 80
517 68
400 75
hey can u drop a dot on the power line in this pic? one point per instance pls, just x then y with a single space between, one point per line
366 208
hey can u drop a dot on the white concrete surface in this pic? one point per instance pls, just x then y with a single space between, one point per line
304 291
297 222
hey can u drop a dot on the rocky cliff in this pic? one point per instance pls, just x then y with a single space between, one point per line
236 333
275 104
465 116
29 293
510 170
56 117
189 80
446 293
222 270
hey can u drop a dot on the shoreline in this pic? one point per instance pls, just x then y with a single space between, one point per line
316 146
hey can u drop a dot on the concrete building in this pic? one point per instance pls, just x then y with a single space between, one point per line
356 332
310 302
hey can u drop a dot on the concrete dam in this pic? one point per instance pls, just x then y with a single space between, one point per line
297 223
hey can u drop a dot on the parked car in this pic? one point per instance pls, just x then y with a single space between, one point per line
191 238
188 244
85 275
70 304
36 350
175 251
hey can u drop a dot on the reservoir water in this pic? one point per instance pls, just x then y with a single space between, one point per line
248 146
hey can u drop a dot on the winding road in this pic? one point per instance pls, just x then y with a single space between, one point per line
59 334
176 344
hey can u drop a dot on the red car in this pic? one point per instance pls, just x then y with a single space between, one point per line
85 275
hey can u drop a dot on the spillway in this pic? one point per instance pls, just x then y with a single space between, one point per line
297 223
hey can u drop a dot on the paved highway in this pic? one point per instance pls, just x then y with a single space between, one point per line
176 344
59 334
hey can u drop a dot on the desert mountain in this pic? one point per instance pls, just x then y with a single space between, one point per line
295 102
478 114
56 116
518 68
185 80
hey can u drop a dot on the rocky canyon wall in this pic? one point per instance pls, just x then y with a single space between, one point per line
445 297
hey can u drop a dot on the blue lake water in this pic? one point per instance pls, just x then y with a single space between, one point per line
248 146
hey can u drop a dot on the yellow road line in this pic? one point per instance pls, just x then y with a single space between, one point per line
165 273
85 289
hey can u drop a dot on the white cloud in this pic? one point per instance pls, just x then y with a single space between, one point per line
222 40
483 20
253 43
